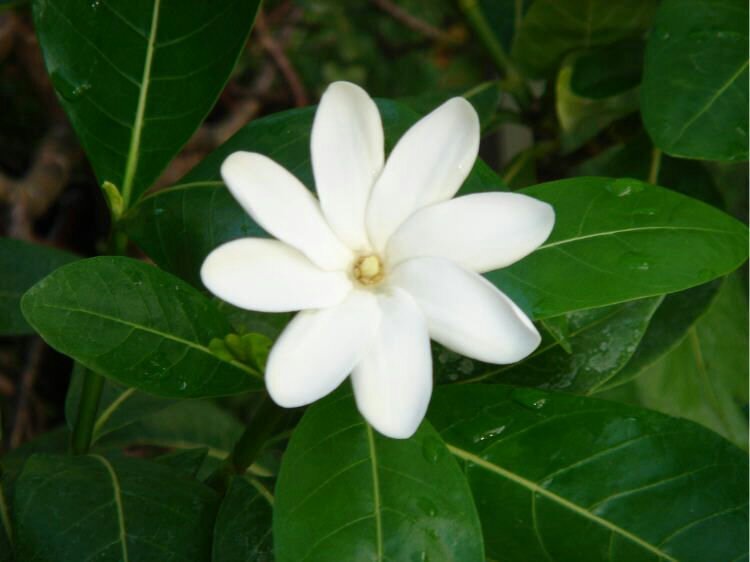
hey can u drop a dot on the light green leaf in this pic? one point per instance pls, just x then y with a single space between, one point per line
553 28
565 478
22 264
346 493
124 510
143 327
584 106
243 526
695 94
137 78
704 378
620 240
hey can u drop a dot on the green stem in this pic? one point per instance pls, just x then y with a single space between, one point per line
83 430
262 426
653 173
514 82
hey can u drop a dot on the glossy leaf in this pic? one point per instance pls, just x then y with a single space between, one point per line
137 78
143 327
695 95
705 377
601 341
553 28
565 478
89 507
118 406
178 227
620 240
346 493
668 326
495 21
22 264
243 526
187 461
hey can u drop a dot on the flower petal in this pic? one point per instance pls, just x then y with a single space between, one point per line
393 381
428 165
319 348
465 312
268 275
285 208
480 232
347 155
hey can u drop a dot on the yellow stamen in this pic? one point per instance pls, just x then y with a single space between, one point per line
368 270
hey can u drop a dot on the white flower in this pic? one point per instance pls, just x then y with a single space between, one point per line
381 262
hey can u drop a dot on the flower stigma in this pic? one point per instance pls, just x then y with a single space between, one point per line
368 270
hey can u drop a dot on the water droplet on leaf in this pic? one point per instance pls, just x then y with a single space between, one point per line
635 261
624 186
530 398
489 434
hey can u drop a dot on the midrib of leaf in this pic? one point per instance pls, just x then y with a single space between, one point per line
131 165
705 380
634 229
537 489
118 504
710 102
375 492
164 335
107 413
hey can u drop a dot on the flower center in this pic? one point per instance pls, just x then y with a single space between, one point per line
368 270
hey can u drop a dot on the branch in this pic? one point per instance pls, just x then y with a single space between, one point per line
276 52
414 23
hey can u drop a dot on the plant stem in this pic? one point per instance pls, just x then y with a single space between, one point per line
251 442
83 429
514 82
653 173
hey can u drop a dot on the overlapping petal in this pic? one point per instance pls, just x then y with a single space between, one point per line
279 203
480 232
319 348
465 312
427 165
270 276
393 381
347 155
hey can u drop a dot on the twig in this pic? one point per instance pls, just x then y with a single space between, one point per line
21 420
31 196
276 52
413 22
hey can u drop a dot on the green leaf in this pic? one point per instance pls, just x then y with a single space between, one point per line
187 461
668 326
143 327
602 341
119 405
704 378
23 264
346 493
496 21
137 78
243 527
565 478
695 95
179 226
553 28
620 240
602 96
188 424
89 507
